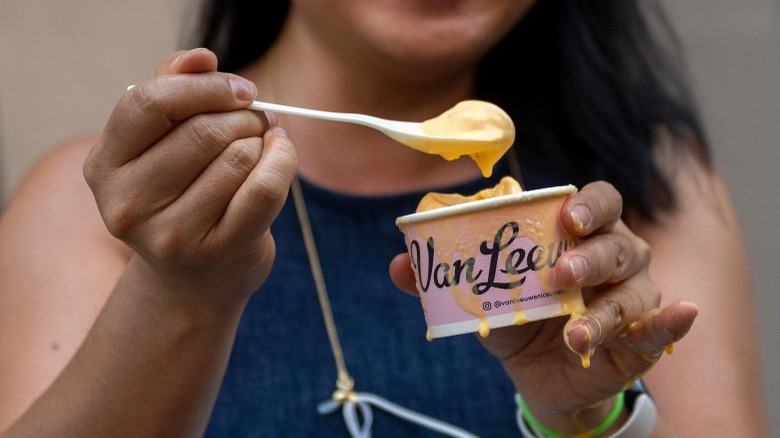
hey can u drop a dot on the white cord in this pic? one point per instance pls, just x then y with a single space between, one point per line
344 396
364 400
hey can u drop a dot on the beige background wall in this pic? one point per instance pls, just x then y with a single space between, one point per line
63 64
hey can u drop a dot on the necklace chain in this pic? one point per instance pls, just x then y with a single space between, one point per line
344 382
345 394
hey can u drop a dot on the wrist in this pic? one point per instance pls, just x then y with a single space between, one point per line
593 421
636 419
171 295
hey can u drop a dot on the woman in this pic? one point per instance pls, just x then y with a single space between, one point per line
138 315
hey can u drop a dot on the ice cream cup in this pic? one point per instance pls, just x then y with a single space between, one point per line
488 263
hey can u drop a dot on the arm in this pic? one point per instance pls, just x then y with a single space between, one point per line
57 266
710 385
111 341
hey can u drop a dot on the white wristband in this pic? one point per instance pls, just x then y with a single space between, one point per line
642 420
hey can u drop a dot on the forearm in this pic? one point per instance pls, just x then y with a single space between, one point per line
150 366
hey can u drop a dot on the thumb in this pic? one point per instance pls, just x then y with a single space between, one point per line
187 61
402 275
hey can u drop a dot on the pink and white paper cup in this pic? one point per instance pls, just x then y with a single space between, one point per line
488 263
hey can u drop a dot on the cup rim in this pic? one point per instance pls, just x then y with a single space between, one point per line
486 204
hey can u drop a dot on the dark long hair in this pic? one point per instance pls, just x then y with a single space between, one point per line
587 82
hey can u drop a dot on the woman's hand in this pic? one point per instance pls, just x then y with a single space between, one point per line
622 326
191 180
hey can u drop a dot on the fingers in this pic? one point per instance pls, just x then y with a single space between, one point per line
610 312
158 177
611 253
187 61
659 329
214 188
180 152
610 263
402 274
645 341
597 206
186 84
603 259
262 194
150 109
237 196
185 152
191 179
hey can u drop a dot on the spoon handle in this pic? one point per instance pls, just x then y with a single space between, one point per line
360 119
389 127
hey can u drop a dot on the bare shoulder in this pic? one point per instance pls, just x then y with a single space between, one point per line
58 265
55 174
702 197
58 162
702 231
698 248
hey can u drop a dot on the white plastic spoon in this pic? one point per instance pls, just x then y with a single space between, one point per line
408 133
478 129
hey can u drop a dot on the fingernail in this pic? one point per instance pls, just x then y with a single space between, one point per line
579 338
181 55
581 217
271 117
185 53
243 89
278 130
579 268
586 335
691 304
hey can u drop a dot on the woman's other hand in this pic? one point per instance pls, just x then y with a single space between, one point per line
191 180
622 328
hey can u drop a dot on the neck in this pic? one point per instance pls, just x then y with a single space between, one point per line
351 158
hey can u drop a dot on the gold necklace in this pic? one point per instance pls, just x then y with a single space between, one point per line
344 383
345 396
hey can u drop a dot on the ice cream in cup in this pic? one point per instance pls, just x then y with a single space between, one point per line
486 261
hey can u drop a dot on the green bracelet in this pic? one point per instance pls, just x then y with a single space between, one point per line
609 421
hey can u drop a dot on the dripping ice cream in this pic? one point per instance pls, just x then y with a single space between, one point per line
485 260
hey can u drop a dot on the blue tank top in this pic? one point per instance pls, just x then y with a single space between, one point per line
281 366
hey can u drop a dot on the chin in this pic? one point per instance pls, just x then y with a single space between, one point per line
431 51
434 31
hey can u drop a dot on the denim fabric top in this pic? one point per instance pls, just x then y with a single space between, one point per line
281 366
